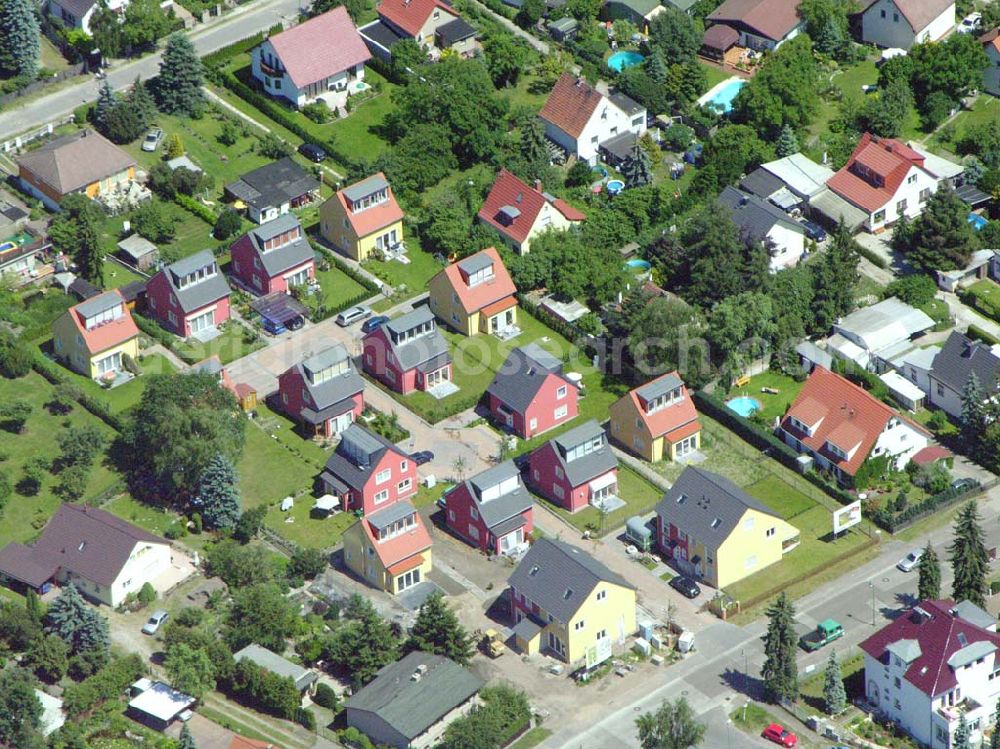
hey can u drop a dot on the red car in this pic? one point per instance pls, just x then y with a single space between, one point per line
780 735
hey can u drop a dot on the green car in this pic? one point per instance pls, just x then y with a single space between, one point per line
826 632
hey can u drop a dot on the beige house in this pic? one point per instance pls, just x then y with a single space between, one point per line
656 421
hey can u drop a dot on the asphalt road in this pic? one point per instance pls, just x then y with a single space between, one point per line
243 22
715 680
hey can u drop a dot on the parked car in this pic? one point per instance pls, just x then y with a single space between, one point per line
155 622
826 632
685 586
780 735
907 563
422 456
352 315
152 139
814 231
964 484
373 323
312 152
970 24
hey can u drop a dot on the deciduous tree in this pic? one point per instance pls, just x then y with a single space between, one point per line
672 726
260 614
76 231
190 670
20 710
364 644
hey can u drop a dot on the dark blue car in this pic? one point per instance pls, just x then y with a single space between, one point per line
373 323
815 232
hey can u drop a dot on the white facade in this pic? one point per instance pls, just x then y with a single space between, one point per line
900 441
788 242
884 24
548 218
267 68
146 562
762 43
908 200
605 122
991 75
83 22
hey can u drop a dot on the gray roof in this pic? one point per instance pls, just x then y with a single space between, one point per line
326 358
761 183
813 353
625 103
753 216
202 293
502 508
522 374
589 466
412 706
659 386
474 263
960 357
334 390
621 146
391 514
273 184
560 577
95 305
287 256
136 246
427 347
74 161
707 506
270 661
455 31
906 650
971 613
565 25
884 324
343 463
365 187
971 653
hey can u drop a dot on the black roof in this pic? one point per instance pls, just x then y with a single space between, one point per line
960 357
83 289
761 183
273 184
455 31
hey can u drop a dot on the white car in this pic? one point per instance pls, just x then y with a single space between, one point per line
152 139
970 24
155 622
911 560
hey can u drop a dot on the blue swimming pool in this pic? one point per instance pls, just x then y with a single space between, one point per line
721 97
621 60
744 405
977 221
615 186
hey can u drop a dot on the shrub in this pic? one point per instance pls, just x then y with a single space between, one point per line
318 112
228 224
325 696
197 524
15 358
147 594
979 334
273 147
306 718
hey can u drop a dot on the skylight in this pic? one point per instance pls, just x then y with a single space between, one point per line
567 594
962 639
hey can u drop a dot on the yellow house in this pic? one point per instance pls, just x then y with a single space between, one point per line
475 295
94 337
363 218
389 549
568 604
656 421
716 532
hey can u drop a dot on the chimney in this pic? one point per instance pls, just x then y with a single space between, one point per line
538 185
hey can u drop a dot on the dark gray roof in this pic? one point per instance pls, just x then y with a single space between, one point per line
287 256
357 454
273 184
660 386
410 320
959 357
455 31
559 577
380 33
276 664
621 145
199 294
391 514
522 374
628 105
707 506
435 363
82 288
476 262
754 217
971 613
365 187
326 358
409 705
422 349
95 305
591 465
500 509
335 390
761 183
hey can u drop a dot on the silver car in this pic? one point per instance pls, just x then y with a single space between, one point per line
911 560
152 139
353 315
155 622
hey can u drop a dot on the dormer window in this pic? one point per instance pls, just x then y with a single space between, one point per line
282 239
801 426
334 370
372 199
206 271
480 276
834 450
105 316
662 401
568 594
417 331
585 448
402 525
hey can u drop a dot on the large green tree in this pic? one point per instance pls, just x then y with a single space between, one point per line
506 57
76 623
672 726
886 113
834 275
437 630
783 92
20 710
20 46
929 575
76 230
950 68
145 22
190 670
364 644
261 614
960 739
973 418
827 25
780 671
744 321
675 35
178 89
834 694
941 238
186 740
48 657
219 494
969 558
181 424
666 335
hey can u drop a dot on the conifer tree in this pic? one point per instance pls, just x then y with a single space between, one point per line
995 737
218 494
77 624
780 671
960 739
20 48
637 169
186 740
969 558
437 630
834 694
973 416
787 142
107 100
929 571
657 67
533 148
178 90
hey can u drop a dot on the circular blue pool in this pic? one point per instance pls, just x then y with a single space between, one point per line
615 186
744 405
621 60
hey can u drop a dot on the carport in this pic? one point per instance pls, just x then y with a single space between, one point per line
279 312
831 209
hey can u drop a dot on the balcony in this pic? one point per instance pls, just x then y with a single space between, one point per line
789 543
952 713
269 71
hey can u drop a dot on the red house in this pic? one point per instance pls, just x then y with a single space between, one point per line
273 257
575 469
367 472
408 353
492 510
324 393
530 395
190 296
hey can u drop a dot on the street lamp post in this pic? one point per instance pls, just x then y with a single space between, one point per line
729 732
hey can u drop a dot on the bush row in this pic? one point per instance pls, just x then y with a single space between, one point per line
932 504
96 406
154 331
876 259
979 334
241 46
191 205
982 304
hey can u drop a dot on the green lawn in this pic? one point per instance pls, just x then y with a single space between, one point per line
988 293
270 471
780 496
753 719
338 286
713 75
521 95
230 345
772 405
640 496
532 738
153 519
413 275
939 312
852 669
986 108
51 57
117 275
125 396
191 235
24 516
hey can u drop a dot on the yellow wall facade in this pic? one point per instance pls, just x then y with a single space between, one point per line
629 431
70 347
368 566
612 616
444 304
337 229
750 548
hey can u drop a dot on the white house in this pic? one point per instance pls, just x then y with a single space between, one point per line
991 75
900 24
886 179
325 53
958 360
933 665
759 221
77 13
104 556
916 364
579 118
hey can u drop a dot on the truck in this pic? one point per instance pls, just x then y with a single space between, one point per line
826 632
491 643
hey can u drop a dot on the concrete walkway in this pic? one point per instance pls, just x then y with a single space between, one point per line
966 316
170 356
642 468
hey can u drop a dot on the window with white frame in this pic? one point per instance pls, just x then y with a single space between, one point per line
382 496
404 485
382 476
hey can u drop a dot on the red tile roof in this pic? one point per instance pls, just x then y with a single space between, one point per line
991 39
571 104
675 421
373 218
109 334
937 631
476 298
930 454
508 190
847 416
321 47
411 15
888 160
773 19
393 551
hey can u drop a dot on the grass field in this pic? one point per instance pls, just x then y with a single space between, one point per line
124 396
988 293
191 235
713 75
338 286
852 669
771 405
270 471
117 275
413 275
532 738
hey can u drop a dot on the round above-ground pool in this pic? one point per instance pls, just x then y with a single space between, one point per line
621 60
977 221
744 405
615 186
